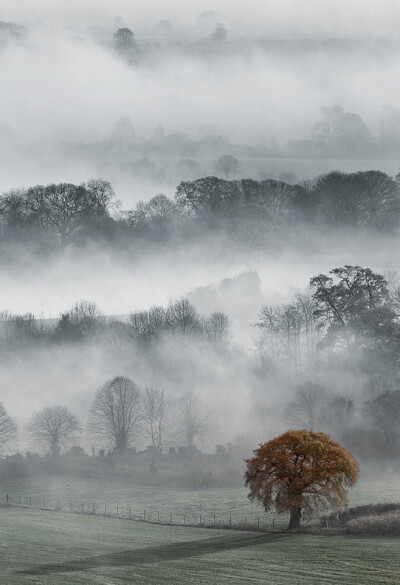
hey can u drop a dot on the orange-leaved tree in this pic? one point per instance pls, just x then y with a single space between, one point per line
299 472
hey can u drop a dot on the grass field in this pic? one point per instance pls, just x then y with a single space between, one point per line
222 502
57 548
44 547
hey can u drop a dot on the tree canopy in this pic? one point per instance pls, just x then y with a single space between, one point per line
301 471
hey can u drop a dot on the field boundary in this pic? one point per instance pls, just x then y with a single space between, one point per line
159 517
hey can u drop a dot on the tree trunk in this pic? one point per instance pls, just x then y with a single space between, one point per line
295 517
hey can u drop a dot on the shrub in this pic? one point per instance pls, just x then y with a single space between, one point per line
384 524
337 519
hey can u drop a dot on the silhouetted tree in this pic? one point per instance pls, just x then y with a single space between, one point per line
145 327
116 412
157 412
53 427
63 210
124 41
183 318
82 321
216 328
195 420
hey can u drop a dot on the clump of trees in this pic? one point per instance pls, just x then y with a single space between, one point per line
62 214
342 340
84 322
257 213
122 413
300 472
181 319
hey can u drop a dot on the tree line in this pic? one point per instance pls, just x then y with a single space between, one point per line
255 212
121 414
84 322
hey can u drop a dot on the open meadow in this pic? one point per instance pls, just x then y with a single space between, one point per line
56 548
158 503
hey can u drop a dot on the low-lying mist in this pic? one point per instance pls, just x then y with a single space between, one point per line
274 101
78 87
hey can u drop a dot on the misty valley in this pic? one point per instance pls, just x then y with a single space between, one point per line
200 301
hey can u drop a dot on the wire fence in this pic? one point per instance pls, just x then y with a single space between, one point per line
234 521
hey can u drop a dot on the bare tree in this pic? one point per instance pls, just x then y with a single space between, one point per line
8 428
19 330
116 412
216 330
82 321
53 426
306 307
147 326
157 411
195 420
307 405
183 317
290 332
63 210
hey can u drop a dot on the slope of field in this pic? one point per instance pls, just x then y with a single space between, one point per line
58 548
